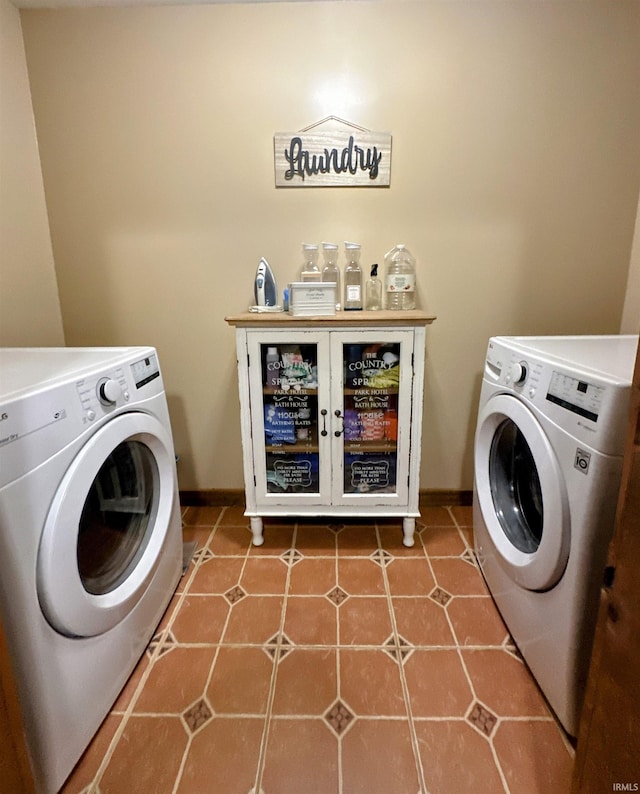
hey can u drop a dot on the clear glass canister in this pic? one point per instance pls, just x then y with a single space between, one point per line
330 271
352 278
310 270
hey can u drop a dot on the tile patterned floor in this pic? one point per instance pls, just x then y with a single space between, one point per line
331 660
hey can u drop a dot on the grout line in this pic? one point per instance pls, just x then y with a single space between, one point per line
262 753
459 530
338 669
415 744
494 753
185 592
183 597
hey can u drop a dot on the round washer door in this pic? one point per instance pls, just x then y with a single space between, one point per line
521 492
106 527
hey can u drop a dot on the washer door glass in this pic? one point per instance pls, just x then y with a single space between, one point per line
117 517
107 526
515 487
521 493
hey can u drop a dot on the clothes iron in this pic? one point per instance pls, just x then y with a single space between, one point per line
265 289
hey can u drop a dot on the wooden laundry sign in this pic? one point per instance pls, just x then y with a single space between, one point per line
348 156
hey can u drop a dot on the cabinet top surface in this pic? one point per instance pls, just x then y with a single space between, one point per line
346 319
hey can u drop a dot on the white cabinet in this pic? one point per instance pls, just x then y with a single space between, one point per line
331 414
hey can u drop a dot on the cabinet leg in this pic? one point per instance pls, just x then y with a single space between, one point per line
408 529
256 530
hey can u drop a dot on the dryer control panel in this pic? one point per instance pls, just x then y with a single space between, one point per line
56 396
590 405
103 392
113 388
145 370
579 396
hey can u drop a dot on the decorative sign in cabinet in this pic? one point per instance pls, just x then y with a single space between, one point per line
331 414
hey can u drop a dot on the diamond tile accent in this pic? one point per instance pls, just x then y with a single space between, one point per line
235 594
278 647
203 555
271 647
482 719
337 595
164 641
399 651
291 557
153 643
286 646
440 596
405 648
197 715
339 717
469 556
381 557
390 648
510 647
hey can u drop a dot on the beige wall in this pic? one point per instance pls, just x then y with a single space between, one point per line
515 180
29 306
631 313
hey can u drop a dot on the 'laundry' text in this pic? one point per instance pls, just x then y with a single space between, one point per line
352 158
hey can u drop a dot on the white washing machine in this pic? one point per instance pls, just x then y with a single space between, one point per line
548 457
90 535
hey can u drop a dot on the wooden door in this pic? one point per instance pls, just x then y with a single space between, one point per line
608 749
15 772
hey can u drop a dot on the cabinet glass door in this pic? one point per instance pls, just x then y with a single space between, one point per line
286 415
374 408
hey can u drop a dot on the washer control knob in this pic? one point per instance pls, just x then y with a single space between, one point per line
109 391
518 373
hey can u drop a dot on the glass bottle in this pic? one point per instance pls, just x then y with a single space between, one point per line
330 271
373 291
400 278
310 270
352 278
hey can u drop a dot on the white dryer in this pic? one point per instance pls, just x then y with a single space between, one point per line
90 535
548 457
